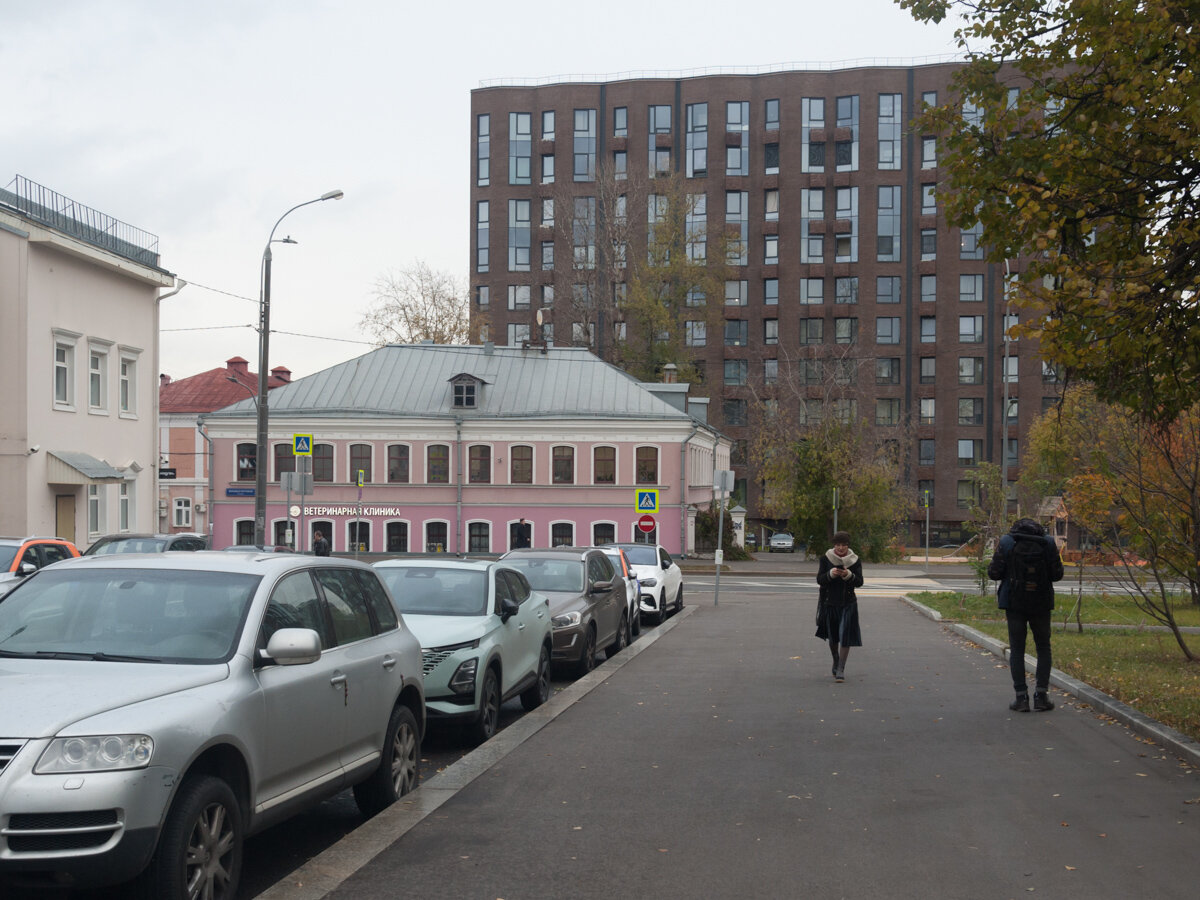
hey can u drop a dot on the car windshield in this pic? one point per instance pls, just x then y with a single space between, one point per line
7 552
561 575
429 591
129 545
642 554
153 615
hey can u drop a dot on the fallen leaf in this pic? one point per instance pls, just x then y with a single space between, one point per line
1069 868
1064 824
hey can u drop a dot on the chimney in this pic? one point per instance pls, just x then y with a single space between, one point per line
164 380
488 348
238 366
670 373
282 374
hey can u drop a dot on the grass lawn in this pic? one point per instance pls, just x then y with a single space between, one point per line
1146 669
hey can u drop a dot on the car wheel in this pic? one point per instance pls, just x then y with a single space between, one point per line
621 641
587 660
489 708
679 599
635 624
199 852
540 692
398 767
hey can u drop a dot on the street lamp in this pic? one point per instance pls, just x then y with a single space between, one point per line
264 331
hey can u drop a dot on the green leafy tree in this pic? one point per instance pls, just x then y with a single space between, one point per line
1073 140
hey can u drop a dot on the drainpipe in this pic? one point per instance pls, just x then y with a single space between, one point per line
156 448
683 482
458 544
200 426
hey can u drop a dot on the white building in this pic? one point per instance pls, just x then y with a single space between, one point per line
79 321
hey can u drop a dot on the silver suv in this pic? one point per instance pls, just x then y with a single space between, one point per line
157 709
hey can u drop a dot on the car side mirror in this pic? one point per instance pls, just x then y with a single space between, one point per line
508 608
26 568
293 647
602 587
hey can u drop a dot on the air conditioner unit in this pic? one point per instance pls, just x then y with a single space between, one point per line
201 507
162 507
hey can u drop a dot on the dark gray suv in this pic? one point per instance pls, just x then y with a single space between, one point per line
587 601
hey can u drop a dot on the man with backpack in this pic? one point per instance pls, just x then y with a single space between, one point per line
1026 563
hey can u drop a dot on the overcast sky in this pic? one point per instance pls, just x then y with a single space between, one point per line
203 123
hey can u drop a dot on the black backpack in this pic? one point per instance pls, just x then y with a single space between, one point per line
1029 587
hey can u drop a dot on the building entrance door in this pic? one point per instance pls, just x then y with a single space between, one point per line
64 517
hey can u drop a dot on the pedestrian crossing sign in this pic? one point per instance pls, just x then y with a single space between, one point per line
302 444
647 501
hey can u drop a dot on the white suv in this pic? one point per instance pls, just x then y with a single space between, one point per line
660 577
156 709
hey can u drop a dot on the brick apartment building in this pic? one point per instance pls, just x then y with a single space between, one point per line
847 275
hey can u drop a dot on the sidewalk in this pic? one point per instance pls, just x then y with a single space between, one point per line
716 758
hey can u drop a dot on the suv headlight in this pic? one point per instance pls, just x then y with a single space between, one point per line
96 753
649 582
566 620
463 680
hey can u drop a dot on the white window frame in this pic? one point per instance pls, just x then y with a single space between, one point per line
181 514
97 517
66 341
126 507
98 356
127 382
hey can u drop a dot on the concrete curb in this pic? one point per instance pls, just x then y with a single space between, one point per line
1168 738
324 872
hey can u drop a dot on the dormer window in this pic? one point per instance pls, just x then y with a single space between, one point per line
466 390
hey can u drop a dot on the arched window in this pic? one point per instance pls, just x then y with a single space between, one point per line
438 464
360 461
647 465
604 465
564 465
398 465
479 467
520 464
246 456
322 465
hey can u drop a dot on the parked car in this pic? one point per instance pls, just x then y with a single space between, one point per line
485 637
259 548
660 577
633 589
147 543
781 542
156 710
22 556
587 601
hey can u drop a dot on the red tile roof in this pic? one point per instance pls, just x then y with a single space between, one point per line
213 390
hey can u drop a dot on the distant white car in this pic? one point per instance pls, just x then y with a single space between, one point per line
660 577
782 542
633 588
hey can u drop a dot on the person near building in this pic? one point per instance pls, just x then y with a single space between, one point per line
320 544
522 534
1027 563
839 573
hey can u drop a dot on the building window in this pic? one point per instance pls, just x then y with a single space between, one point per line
735 293
64 373
887 411
518 296
620 165
970 370
770 371
659 123
737 121
97 515
812 291
1051 373
604 465
562 534
928 243
621 121
483 296
735 412
970 452
736 372
697 140
846 152
927 452
928 370
887 289
737 224
647 465
563 461
808 371
360 461
127 386
396 537
928 329
246 455
887 370
322 463
482 236
891 111
479 464
518 235
483 150
888 224
845 330
520 459
479 537
812 116
928 288
397 456
928 410
97 379
929 199
970 411
465 394
970 329
1010 369
736 332
970 288
845 371
770 331
771 205
437 464
812 209
845 409
771 159
845 289
181 516
125 506
928 153
770 249
359 535
972 242
695 333
771 291
583 233
518 334
845 248
547 255
548 125
968 494
285 460
520 147
812 331
585 145
887 330
436 537
696 228
771 115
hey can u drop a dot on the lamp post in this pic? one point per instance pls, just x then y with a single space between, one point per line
264 331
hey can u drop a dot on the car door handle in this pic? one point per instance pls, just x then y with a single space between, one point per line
338 680
520 626
389 662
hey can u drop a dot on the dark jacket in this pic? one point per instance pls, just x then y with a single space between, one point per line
321 547
998 567
836 590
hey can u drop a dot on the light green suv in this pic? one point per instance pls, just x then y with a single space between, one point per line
485 637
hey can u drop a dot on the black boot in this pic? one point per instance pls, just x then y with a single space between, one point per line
1021 704
1042 701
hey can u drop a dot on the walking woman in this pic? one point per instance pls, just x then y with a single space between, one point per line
839 574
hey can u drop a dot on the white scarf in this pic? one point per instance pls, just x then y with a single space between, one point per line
848 560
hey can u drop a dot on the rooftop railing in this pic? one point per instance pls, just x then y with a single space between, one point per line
63 214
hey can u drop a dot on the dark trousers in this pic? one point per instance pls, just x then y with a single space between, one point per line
1039 624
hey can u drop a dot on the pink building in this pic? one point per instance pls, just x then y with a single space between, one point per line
453 445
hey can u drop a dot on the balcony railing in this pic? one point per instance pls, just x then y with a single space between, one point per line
63 214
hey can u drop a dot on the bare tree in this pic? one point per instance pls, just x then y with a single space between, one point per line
418 304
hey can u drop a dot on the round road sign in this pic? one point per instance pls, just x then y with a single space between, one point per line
646 524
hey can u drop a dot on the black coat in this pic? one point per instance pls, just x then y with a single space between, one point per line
998 567
836 590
